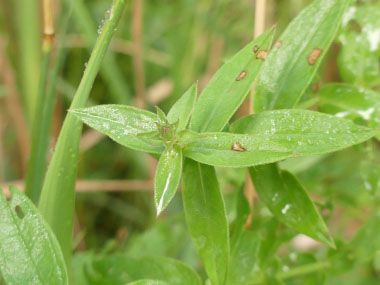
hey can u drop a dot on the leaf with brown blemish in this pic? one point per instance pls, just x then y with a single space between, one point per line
262 54
314 55
241 75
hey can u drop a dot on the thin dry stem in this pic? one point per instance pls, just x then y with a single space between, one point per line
13 107
138 61
48 22
88 186
260 13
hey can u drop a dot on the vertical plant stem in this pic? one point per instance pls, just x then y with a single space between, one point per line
138 61
110 71
46 102
28 33
260 11
58 193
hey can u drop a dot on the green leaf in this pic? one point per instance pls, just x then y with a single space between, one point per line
295 58
29 251
229 86
182 109
206 217
358 60
121 269
57 201
288 201
302 131
232 150
123 124
351 101
244 264
370 173
168 175
366 243
243 210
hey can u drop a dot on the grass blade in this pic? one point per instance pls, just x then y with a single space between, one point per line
58 193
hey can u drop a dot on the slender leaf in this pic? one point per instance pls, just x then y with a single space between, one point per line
121 269
206 217
288 201
304 132
44 110
295 58
168 175
229 86
232 150
242 212
58 193
109 70
365 243
123 124
351 101
244 265
29 251
182 109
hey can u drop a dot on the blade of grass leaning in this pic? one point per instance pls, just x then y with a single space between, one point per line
229 86
29 251
109 70
58 194
296 56
44 108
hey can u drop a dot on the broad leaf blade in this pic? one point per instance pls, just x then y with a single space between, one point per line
206 217
121 269
288 201
182 109
168 175
304 132
229 86
123 124
29 251
295 58
232 150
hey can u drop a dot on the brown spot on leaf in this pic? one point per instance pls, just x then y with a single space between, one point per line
241 75
313 56
278 44
237 147
315 87
255 48
262 54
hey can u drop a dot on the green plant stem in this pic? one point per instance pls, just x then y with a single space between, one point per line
300 270
44 112
58 193
29 49
40 136
109 70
